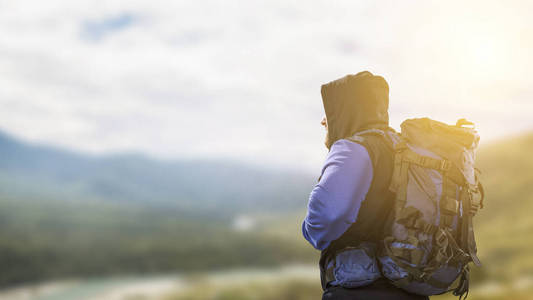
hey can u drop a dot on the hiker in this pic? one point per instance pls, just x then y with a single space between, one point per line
351 202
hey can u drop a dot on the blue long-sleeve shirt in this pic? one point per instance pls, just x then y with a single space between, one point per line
335 201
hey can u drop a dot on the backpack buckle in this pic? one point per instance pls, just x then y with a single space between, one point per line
445 165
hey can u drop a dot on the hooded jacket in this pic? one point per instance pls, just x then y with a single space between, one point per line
355 103
352 197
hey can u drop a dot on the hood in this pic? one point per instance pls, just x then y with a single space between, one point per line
354 103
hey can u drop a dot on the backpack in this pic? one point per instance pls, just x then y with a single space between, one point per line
429 239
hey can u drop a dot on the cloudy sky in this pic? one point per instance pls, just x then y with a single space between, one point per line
241 79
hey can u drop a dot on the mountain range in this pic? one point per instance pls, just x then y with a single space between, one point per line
35 171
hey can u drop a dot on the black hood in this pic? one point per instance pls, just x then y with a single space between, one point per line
354 103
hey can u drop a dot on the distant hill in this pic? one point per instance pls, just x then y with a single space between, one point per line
68 214
504 227
33 171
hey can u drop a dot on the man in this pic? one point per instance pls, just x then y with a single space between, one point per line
349 206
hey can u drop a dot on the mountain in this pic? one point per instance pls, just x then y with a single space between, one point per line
66 214
34 171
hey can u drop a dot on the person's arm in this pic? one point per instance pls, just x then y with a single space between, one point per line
335 201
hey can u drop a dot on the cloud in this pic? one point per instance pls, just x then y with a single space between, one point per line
97 29
241 79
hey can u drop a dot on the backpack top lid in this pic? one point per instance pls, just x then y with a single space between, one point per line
455 143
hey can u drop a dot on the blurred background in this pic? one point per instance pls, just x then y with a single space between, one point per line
166 149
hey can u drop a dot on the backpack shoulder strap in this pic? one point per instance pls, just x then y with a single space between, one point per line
372 138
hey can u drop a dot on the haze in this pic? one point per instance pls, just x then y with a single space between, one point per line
241 79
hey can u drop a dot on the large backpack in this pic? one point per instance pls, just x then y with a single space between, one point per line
429 239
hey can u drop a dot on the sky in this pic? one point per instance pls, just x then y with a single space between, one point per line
241 80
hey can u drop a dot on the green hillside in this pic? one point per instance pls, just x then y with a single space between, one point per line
55 239
65 214
505 225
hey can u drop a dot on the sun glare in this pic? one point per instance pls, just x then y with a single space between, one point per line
482 52
485 54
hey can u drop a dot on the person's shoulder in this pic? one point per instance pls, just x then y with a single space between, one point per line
347 159
349 145
348 148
